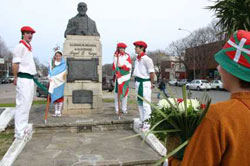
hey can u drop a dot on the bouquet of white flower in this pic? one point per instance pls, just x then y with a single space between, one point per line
179 117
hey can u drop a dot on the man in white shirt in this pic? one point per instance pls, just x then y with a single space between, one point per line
23 69
144 79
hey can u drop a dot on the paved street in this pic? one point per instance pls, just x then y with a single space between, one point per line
8 93
216 96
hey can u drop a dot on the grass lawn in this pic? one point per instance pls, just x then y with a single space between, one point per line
41 102
38 102
5 142
109 100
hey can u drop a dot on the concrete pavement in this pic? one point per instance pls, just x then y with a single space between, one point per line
86 140
87 149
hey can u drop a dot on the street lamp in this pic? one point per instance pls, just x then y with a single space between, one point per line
180 29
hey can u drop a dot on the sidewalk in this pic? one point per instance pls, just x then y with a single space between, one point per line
86 140
87 149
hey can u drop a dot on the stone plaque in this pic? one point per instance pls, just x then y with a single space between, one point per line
82 49
82 97
84 128
82 69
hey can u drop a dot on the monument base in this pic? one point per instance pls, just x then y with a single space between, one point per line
83 89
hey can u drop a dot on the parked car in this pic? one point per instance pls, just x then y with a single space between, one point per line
182 82
199 85
11 78
173 82
6 80
107 83
39 91
1 79
216 84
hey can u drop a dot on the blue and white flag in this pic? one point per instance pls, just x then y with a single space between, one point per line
58 78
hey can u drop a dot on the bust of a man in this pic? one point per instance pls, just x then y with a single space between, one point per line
81 24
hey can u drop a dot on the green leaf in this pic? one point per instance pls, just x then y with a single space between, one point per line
184 92
132 136
166 131
160 161
232 14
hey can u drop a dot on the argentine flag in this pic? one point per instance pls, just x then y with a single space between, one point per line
57 76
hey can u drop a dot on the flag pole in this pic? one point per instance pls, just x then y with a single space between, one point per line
47 109
118 91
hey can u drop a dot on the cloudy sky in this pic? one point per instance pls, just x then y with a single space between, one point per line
154 21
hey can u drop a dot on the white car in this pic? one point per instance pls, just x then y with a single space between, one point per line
173 82
199 85
11 78
216 84
182 82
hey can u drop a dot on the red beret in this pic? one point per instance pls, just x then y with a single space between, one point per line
121 45
141 43
27 29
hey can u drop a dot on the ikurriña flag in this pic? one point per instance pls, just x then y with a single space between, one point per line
122 71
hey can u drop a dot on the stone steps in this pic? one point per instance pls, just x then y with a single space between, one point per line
87 149
85 127
78 140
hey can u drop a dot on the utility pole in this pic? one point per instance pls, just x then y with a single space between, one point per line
180 29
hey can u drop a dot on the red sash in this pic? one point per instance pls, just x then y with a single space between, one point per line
26 45
140 56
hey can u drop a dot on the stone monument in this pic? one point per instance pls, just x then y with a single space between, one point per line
83 54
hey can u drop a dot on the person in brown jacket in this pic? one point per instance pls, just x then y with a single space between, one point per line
223 137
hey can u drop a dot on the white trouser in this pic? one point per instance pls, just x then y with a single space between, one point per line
123 103
58 108
145 109
24 99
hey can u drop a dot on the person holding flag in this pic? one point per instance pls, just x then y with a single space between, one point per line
144 79
57 77
122 74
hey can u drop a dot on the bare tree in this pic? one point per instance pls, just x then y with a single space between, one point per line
158 57
6 54
42 69
107 70
4 51
199 37
178 49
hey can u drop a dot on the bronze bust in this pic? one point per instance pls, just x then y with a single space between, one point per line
81 24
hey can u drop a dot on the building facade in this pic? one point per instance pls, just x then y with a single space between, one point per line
200 61
173 69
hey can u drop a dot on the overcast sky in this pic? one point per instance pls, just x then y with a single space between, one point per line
154 21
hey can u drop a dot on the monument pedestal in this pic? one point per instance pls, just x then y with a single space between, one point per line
83 89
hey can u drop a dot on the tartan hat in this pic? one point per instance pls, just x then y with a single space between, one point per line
235 55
